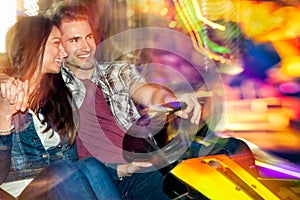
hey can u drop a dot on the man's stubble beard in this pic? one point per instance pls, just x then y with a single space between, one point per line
85 65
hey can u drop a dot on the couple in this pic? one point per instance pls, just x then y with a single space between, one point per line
40 122
39 118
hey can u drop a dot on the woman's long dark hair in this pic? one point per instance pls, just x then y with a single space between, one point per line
59 109
25 47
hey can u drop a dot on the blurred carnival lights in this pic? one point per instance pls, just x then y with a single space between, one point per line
191 16
9 13
31 7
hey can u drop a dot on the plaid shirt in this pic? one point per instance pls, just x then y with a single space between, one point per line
115 80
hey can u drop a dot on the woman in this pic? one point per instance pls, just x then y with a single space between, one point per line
37 145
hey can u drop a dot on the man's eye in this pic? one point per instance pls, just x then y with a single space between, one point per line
90 37
74 40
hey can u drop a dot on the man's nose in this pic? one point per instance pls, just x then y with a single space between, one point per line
85 46
63 52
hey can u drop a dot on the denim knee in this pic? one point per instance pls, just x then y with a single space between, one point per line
98 177
61 168
92 165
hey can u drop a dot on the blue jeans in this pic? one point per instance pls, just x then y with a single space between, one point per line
86 179
142 186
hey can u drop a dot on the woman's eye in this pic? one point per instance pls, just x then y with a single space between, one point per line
57 43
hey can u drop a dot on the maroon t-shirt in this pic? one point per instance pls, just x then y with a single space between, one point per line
99 133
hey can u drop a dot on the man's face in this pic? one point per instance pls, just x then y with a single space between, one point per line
79 43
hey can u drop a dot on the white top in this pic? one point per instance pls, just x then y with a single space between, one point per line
16 187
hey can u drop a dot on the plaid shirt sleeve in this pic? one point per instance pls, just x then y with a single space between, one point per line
115 80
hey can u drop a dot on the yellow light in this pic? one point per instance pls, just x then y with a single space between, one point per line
291 66
205 20
8 14
164 11
131 23
230 68
129 13
146 9
172 24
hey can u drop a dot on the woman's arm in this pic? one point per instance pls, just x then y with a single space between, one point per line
5 156
11 92
6 113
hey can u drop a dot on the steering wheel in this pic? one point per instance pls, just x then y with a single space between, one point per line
151 138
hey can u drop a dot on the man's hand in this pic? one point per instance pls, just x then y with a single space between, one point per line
193 106
130 168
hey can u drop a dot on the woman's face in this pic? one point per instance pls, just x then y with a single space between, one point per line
54 53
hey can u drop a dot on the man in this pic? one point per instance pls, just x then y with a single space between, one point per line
106 95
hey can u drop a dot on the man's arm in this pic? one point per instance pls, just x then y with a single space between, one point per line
148 94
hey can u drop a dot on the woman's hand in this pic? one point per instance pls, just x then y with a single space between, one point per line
6 115
15 92
13 98
130 168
